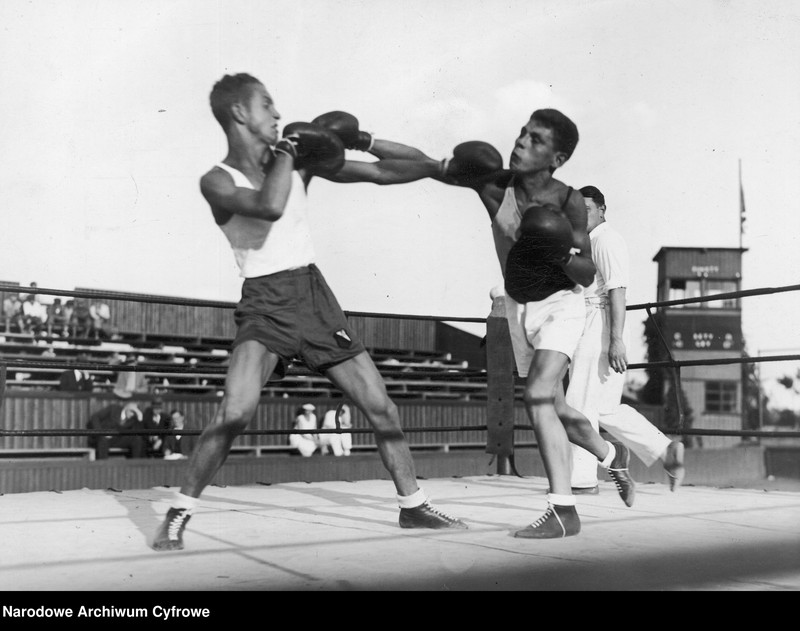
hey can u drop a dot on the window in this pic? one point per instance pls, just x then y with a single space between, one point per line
714 287
722 396
682 289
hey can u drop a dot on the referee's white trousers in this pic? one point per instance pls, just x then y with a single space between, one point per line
596 390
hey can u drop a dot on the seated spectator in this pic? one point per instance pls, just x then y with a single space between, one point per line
305 444
122 418
24 295
155 417
12 312
21 376
339 444
45 299
34 315
75 381
81 323
101 317
178 446
56 319
130 382
69 309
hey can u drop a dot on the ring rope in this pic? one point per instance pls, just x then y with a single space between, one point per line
716 297
182 369
197 432
195 302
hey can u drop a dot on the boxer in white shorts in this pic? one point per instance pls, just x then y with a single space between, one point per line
555 324
539 228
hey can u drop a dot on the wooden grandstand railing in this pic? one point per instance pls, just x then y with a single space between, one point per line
433 389
31 410
422 374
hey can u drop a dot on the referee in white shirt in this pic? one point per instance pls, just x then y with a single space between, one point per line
597 371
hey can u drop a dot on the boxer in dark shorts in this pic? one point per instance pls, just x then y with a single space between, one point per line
257 195
295 314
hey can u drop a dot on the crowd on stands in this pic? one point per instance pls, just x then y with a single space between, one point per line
39 314
128 420
129 423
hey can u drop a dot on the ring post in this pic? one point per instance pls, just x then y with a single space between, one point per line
500 387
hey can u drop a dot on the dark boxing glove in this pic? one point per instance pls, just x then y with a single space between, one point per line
471 161
535 264
548 228
345 126
312 147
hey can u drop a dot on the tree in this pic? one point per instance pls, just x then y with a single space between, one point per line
672 413
652 392
754 400
787 417
661 388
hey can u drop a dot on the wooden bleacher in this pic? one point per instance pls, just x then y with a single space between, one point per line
432 387
408 374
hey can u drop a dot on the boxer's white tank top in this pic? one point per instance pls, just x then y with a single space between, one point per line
264 247
505 227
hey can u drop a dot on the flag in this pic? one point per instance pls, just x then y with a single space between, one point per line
741 205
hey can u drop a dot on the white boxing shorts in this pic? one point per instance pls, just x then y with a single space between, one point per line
554 324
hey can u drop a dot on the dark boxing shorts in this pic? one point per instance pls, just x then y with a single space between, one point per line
295 314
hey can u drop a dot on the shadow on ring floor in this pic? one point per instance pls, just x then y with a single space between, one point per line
343 536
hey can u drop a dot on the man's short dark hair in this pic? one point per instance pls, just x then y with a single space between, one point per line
593 193
565 132
229 90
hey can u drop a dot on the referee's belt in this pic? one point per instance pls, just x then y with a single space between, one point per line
598 302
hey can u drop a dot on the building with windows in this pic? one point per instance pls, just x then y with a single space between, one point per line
706 330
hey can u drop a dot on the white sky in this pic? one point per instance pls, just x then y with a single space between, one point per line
106 130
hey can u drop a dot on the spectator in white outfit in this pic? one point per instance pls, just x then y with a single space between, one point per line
305 419
597 372
339 444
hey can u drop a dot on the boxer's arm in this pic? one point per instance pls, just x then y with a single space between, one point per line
579 266
491 194
383 172
347 128
388 149
268 203
397 171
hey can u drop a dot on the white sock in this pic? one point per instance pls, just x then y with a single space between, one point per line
413 500
185 501
612 453
561 500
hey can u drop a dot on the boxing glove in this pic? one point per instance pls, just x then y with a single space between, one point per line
546 227
345 126
535 264
313 147
471 161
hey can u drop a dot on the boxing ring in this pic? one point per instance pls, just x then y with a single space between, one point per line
299 531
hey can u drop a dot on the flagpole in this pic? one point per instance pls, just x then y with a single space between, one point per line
741 207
